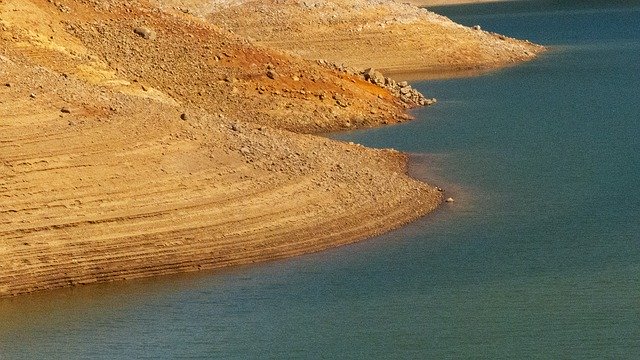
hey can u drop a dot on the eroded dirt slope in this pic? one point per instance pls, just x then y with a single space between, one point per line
389 35
127 154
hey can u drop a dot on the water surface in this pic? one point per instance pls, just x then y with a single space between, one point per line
539 257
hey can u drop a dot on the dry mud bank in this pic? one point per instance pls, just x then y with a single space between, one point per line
138 140
388 35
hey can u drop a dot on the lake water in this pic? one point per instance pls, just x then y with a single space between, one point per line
539 257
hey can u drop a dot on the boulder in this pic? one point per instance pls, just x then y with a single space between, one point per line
374 76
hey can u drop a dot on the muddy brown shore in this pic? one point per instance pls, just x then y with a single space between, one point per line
144 138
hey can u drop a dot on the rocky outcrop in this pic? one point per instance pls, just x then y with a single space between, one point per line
402 90
409 96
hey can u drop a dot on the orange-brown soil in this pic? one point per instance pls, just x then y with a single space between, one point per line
138 140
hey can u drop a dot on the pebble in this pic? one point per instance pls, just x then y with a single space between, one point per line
145 33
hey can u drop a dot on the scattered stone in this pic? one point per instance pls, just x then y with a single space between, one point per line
65 110
477 27
8 85
271 74
32 95
245 150
235 127
373 76
401 90
145 33
184 116
340 100
449 200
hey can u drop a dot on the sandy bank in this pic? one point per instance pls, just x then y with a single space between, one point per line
89 197
428 3
137 141
123 156
392 36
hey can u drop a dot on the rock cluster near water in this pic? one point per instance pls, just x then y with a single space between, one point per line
401 90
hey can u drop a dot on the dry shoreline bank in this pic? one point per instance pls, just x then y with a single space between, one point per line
138 142
429 3
391 36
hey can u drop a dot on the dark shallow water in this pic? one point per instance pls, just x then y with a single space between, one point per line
539 257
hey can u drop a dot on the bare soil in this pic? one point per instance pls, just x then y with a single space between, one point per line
140 139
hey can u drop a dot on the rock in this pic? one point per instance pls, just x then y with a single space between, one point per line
390 83
476 27
405 90
373 76
449 200
145 33
235 127
245 150
403 84
184 116
8 85
340 100
65 110
271 74
32 95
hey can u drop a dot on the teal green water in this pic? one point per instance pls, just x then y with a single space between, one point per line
539 257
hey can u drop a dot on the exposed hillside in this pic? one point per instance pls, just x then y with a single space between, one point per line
138 140
389 35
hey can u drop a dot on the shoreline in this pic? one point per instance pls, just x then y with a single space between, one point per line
393 37
433 3
119 163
